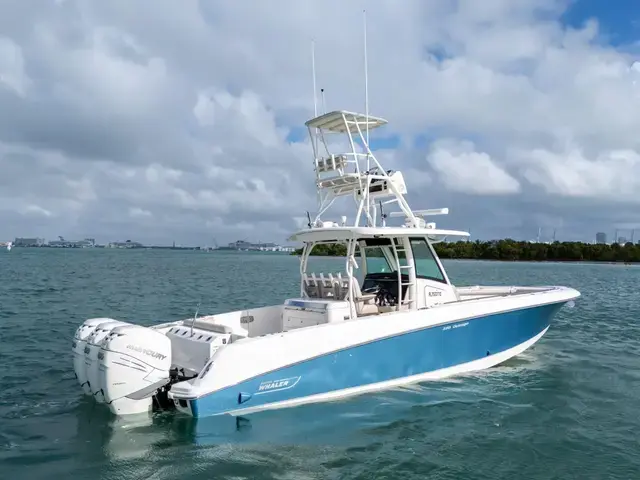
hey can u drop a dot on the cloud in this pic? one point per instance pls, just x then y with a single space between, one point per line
160 121
613 175
12 74
462 169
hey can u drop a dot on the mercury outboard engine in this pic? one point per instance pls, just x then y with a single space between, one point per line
91 351
79 343
135 362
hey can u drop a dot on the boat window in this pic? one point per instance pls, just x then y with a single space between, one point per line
376 261
426 265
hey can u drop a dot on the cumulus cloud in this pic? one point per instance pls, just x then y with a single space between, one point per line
162 121
612 174
12 74
462 169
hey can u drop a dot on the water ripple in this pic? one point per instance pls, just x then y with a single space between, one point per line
565 409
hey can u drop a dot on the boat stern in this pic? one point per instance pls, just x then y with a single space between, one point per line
184 398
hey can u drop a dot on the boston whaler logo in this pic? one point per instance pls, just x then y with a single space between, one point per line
276 385
146 351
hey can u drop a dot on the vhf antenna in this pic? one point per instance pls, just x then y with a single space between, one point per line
370 204
383 215
366 80
195 317
313 72
324 106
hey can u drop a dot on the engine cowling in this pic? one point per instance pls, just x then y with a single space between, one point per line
134 363
91 351
79 343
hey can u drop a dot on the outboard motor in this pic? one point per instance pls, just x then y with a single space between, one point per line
91 351
78 346
134 363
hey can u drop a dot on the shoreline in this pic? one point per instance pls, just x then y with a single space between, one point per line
508 250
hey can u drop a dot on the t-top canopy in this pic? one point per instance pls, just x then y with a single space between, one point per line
337 234
335 121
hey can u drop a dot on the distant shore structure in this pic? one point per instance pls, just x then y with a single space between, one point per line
125 244
240 245
60 243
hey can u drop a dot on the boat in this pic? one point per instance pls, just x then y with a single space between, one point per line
390 317
7 245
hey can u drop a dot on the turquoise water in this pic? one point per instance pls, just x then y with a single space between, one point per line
567 408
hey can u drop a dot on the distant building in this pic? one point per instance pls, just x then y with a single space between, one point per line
259 247
601 238
62 243
28 242
127 244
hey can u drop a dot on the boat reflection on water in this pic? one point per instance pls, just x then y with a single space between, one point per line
131 437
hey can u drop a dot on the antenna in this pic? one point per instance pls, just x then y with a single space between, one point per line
383 216
366 79
313 71
309 218
195 317
366 110
324 107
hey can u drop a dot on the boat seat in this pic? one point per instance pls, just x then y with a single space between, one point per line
329 287
340 286
208 324
312 287
365 304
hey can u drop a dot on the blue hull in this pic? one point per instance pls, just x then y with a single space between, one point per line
391 358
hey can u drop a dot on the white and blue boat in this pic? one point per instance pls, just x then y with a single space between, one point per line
390 317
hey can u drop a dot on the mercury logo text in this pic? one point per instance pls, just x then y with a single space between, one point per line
146 351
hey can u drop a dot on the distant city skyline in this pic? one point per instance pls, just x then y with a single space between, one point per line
541 235
61 242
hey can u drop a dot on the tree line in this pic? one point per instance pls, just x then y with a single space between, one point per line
512 250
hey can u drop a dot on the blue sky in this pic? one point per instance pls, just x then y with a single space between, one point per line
163 121
619 25
619 19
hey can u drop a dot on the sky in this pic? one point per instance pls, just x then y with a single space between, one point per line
162 121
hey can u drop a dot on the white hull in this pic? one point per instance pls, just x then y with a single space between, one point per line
234 367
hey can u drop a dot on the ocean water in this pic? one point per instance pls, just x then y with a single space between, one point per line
565 409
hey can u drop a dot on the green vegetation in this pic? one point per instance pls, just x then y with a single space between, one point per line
326 250
511 250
